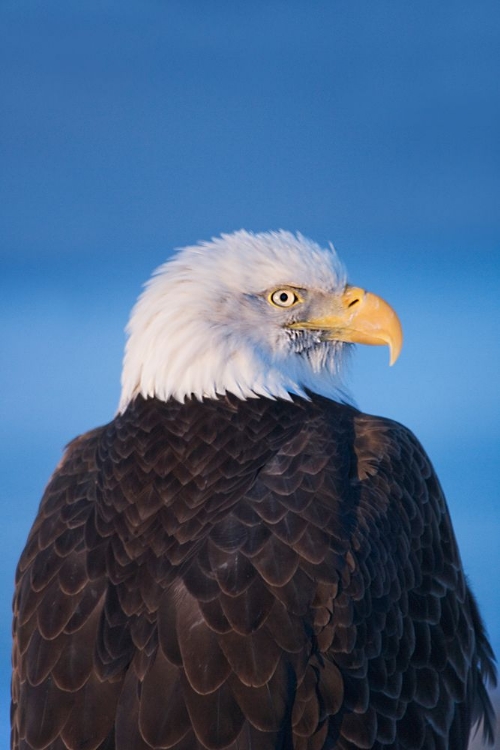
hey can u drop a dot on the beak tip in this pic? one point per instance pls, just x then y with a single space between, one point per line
394 352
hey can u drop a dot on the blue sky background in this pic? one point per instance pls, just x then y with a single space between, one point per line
129 128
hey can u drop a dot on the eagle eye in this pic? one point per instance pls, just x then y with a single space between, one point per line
283 298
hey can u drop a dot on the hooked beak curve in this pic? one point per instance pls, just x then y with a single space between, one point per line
361 318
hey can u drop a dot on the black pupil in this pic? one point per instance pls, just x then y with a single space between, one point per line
284 297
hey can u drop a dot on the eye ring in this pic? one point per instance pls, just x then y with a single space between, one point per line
283 298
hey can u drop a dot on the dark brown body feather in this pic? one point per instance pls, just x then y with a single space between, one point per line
245 574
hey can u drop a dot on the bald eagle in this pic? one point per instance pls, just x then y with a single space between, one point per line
241 559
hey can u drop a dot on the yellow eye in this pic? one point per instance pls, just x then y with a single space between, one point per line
283 298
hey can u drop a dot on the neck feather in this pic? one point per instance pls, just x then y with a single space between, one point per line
207 366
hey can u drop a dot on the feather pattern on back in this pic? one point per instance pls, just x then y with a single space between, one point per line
246 574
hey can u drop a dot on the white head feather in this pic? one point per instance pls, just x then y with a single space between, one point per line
204 326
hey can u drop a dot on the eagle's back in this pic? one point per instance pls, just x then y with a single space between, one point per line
245 574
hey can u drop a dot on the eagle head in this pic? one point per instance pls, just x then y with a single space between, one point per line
266 314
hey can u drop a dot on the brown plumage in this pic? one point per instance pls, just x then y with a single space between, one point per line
258 574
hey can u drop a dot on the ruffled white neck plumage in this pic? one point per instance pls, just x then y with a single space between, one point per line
201 329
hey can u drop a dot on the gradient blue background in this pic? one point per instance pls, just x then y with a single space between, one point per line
130 128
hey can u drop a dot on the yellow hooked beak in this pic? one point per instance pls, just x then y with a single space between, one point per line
359 317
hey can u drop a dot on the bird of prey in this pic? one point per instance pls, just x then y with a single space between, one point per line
241 559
